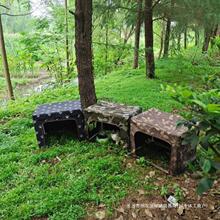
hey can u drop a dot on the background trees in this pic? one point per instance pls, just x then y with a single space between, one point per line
122 32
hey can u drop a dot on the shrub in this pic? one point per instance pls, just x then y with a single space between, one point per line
202 117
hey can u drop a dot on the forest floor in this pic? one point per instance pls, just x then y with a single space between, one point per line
73 180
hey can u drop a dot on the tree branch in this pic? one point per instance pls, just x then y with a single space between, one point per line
16 15
72 13
156 3
3 6
162 17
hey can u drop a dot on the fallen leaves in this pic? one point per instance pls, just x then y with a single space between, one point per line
180 210
121 210
134 215
100 215
148 213
141 192
152 174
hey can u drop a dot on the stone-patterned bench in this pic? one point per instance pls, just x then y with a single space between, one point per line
113 114
163 126
56 113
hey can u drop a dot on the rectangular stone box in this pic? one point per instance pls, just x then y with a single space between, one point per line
114 114
66 116
163 128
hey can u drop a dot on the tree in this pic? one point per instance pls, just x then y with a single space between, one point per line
162 39
207 38
168 30
67 39
149 39
137 33
185 38
167 38
83 45
5 62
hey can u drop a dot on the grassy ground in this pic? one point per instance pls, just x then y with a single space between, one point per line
70 177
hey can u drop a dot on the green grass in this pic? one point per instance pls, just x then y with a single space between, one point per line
60 182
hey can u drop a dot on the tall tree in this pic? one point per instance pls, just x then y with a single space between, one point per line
207 38
5 62
185 38
67 39
137 33
162 39
149 39
83 45
167 38
196 36
168 30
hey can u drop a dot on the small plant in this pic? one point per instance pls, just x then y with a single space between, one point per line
178 192
203 122
141 161
164 190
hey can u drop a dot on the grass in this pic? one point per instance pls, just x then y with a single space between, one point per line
62 181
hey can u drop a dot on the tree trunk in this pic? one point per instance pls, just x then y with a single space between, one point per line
168 31
214 35
215 31
149 39
137 34
185 38
106 48
167 39
83 45
162 39
5 62
207 38
179 41
67 40
196 37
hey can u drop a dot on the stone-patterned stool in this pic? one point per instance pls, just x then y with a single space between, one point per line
59 115
163 126
117 115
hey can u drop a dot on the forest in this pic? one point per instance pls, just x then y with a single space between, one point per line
109 109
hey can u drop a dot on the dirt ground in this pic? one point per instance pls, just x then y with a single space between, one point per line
145 204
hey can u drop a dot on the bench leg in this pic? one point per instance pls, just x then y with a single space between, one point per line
40 134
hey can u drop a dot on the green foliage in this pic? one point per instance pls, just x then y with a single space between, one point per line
164 190
178 192
203 114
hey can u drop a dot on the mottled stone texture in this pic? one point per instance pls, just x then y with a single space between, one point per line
114 114
58 112
163 126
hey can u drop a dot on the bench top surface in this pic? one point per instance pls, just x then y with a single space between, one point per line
161 121
58 107
113 109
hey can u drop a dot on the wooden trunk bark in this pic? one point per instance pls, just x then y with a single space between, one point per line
168 31
179 41
137 34
67 40
185 38
149 39
214 35
167 38
83 45
196 37
207 38
5 62
162 39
